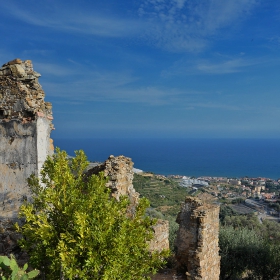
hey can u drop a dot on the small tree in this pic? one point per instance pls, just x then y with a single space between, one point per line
75 230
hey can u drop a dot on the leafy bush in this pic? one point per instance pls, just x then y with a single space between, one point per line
173 229
244 254
9 270
75 230
151 212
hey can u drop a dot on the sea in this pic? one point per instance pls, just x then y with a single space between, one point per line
232 158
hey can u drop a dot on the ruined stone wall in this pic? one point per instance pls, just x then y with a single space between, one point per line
161 236
197 240
25 126
119 171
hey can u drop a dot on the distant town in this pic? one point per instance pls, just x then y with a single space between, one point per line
244 195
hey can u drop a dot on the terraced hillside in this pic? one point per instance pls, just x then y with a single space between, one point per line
164 194
242 209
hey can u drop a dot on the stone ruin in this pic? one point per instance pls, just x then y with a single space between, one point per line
119 170
25 126
197 243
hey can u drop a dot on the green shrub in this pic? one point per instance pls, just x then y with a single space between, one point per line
75 230
244 252
9 270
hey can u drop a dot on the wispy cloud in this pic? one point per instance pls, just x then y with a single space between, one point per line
211 105
212 66
54 69
106 86
175 25
112 91
187 25
225 67
37 52
79 21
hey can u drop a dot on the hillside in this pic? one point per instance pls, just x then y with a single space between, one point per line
165 195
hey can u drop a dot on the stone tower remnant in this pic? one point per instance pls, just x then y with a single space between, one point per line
25 126
197 240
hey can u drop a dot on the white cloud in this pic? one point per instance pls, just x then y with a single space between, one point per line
106 86
225 67
175 25
79 21
53 69
218 65
211 105
188 25
99 89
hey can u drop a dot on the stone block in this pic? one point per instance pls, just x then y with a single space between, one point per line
15 61
7 71
17 70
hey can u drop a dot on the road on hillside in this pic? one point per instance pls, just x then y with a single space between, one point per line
263 209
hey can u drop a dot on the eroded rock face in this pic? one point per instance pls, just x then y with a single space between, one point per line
197 240
25 126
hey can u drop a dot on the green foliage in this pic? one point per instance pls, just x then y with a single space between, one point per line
244 253
275 206
238 200
9 270
269 230
167 208
153 213
272 187
226 211
173 229
249 249
75 230
161 193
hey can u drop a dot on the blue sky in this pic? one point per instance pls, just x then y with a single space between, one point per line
152 68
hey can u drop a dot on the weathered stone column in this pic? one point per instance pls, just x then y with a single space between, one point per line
197 240
25 126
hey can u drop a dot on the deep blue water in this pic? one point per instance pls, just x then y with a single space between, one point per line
190 157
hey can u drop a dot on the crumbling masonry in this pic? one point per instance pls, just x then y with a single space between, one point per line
25 126
197 240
